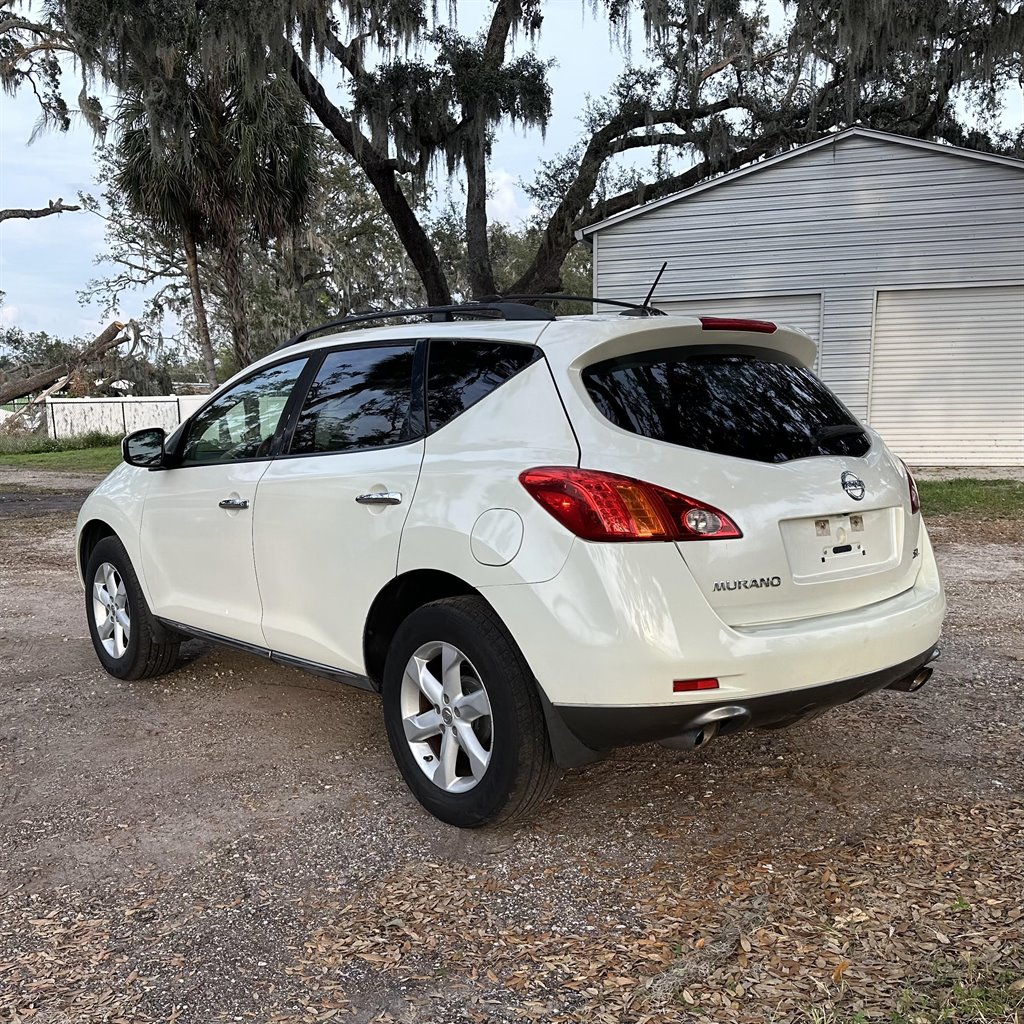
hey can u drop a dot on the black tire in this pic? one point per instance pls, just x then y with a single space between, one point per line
150 651
521 771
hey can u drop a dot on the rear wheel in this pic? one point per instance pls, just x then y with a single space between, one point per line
120 623
463 717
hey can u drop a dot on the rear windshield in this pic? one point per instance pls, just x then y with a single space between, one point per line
751 406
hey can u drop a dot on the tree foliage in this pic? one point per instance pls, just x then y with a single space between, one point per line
717 86
343 258
234 165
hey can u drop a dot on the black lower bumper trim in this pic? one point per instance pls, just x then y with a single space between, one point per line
603 728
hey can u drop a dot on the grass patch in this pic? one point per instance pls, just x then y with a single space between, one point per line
984 497
968 995
84 460
37 444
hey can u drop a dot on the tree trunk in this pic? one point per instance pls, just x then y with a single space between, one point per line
478 252
199 306
44 378
232 274
474 154
384 179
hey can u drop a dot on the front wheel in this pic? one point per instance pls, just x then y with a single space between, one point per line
463 717
120 624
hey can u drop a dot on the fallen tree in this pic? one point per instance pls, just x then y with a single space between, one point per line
39 380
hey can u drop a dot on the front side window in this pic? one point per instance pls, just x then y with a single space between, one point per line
361 398
750 406
460 373
241 423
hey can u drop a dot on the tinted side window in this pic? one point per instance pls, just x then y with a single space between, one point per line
460 373
747 406
360 398
240 424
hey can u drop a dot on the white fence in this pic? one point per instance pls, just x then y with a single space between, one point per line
67 417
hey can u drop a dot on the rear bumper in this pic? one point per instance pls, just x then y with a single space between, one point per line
602 728
606 638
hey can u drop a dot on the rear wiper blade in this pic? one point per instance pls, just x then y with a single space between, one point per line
837 430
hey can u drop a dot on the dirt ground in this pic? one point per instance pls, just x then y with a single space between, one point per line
233 843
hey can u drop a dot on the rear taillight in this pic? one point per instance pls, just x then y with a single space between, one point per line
915 498
731 323
605 506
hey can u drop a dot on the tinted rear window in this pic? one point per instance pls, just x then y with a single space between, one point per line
730 403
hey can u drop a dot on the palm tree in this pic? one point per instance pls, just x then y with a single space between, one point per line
161 190
236 164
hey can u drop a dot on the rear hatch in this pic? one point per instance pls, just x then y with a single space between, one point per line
743 426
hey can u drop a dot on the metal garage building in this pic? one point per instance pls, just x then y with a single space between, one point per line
903 259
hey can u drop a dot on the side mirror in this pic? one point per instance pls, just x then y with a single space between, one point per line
144 448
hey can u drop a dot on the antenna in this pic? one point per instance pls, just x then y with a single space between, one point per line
650 294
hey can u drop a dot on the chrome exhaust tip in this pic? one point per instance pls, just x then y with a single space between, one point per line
912 683
692 739
922 677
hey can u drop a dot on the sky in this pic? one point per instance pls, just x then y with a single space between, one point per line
45 263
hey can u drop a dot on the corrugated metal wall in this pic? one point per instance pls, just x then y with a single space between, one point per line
845 220
947 382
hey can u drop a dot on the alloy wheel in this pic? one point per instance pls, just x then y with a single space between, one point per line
110 610
446 717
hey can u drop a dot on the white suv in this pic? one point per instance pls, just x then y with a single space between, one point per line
537 538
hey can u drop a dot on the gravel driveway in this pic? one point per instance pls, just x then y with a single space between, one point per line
232 842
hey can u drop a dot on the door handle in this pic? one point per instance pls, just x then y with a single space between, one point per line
234 504
380 498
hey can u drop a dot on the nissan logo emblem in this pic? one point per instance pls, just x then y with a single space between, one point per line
853 485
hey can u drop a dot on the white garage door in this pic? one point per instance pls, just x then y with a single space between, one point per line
947 375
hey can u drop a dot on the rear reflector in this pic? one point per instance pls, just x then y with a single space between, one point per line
686 685
606 506
731 323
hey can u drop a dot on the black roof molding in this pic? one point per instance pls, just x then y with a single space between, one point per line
496 307
485 310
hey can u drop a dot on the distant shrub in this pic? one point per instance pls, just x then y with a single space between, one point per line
36 444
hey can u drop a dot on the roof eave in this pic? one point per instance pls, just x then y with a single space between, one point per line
584 234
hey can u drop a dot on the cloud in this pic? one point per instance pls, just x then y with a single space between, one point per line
506 201
8 315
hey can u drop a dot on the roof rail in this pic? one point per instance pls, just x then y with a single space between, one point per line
485 310
631 308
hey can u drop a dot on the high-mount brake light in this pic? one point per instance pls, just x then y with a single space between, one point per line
732 323
915 497
608 507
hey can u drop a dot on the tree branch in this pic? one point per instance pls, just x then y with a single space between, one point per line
381 173
542 274
347 54
57 206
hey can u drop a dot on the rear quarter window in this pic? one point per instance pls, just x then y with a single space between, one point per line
462 372
749 405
